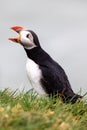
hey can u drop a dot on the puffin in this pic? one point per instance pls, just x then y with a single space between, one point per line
46 76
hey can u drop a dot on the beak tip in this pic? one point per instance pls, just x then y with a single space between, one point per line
9 38
13 39
17 28
11 28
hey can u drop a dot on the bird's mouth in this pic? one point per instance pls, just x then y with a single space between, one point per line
17 29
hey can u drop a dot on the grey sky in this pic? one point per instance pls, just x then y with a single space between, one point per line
62 30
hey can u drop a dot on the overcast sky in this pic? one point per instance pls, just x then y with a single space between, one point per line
62 30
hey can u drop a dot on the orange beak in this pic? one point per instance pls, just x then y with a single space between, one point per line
17 29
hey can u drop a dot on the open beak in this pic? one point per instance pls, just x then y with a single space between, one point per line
17 29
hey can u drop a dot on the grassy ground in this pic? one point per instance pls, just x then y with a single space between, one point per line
27 112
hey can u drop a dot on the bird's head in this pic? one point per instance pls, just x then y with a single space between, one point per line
27 38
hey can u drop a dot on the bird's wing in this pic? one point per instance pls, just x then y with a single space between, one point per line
54 79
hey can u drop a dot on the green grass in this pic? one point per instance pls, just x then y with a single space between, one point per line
25 111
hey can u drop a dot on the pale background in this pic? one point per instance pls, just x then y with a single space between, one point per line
61 26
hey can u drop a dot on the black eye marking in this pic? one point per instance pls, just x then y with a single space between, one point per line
28 35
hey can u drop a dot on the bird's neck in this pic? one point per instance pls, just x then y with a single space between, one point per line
37 54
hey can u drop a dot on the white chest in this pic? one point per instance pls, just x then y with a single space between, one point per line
34 75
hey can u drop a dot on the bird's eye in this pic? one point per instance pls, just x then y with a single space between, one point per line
27 35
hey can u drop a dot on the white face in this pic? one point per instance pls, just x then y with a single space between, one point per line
27 39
